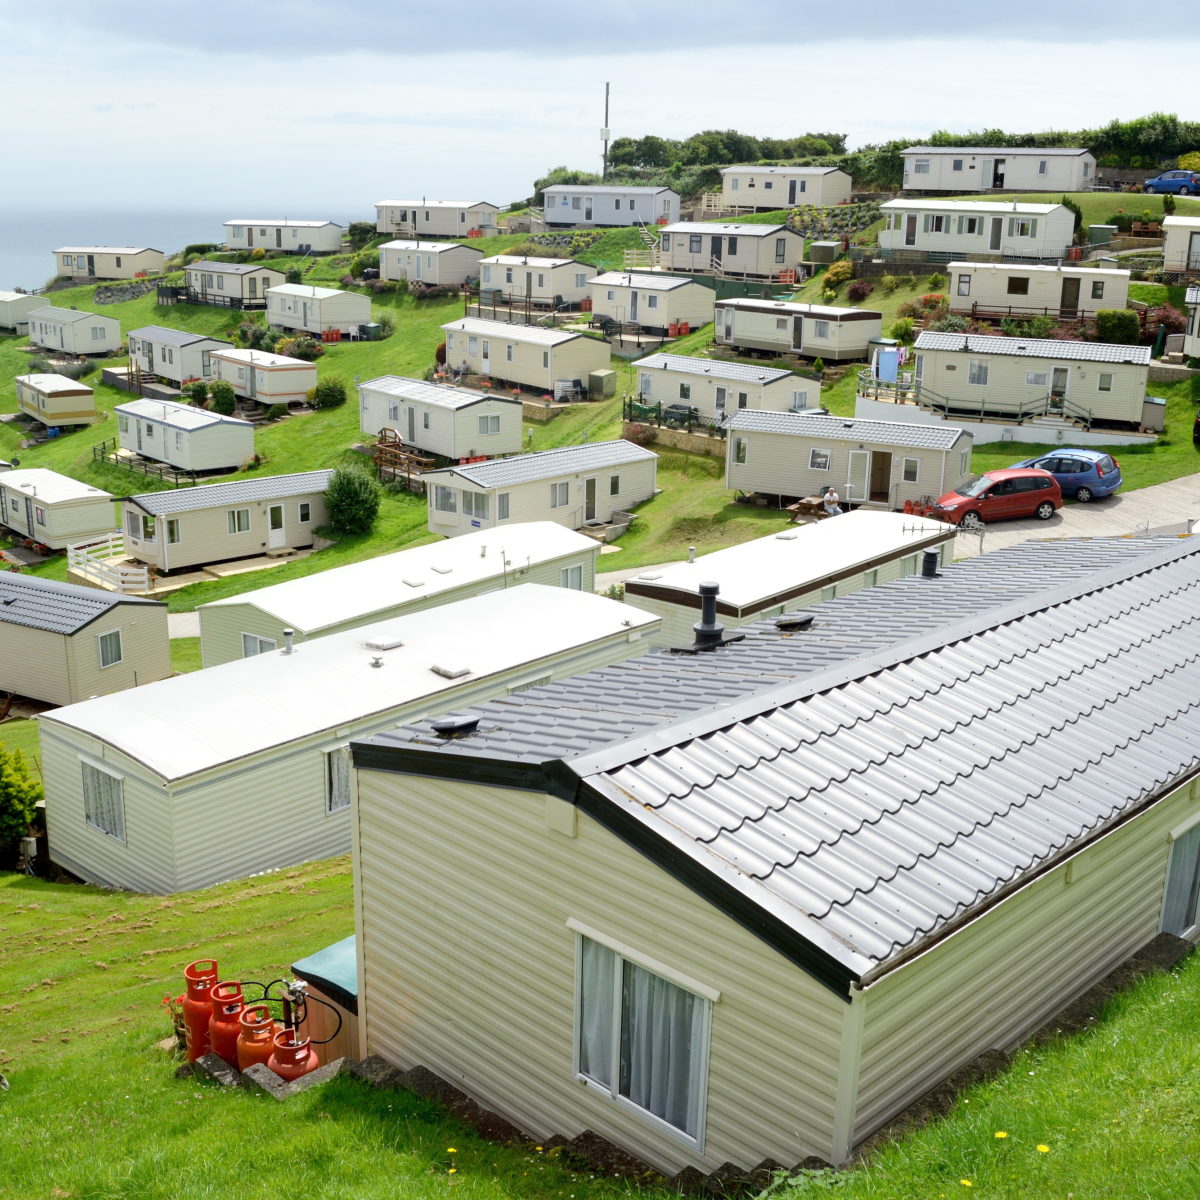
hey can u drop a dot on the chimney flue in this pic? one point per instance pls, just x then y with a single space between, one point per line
709 633
929 565
691 554
289 638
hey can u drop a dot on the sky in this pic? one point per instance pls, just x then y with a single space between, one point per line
307 110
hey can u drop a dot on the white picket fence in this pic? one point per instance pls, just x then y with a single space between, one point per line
101 562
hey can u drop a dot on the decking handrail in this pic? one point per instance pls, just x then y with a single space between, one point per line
91 560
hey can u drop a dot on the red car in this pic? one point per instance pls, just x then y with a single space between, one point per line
998 495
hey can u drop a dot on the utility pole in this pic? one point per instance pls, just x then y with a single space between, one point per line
604 137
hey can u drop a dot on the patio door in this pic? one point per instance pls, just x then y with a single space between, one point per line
138 426
1058 382
859 475
633 298
278 237
910 229
249 236
727 319
997 238
149 355
717 245
91 264
589 499
253 282
412 426
29 516
276 534
1069 304
485 354
998 173
417 264
1193 260
881 475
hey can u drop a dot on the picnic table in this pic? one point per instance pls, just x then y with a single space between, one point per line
807 506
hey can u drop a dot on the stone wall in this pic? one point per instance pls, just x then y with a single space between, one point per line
680 439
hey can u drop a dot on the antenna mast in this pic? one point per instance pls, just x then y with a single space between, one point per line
604 137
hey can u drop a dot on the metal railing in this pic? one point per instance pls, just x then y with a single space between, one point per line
655 414
93 560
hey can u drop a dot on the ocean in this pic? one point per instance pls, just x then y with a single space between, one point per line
27 236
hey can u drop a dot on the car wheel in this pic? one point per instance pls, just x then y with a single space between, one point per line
1083 495
1148 190
1045 511
972 521
1185 190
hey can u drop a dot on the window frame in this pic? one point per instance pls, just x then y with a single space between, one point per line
335 782
265 644
100 639
916 470
90 817
820 458
233 519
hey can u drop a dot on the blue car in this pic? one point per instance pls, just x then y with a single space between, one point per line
1083 474
1183 183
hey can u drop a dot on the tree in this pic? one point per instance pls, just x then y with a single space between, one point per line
18 798
360 233
352 500
222 398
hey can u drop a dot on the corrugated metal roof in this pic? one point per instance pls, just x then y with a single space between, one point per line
547 464
217 495
55 607
829 311
68 316
938 743
175 337
846 429
428 247
725 228
715 368
444 395
1018 347
177 416
503 331
656 283
998 151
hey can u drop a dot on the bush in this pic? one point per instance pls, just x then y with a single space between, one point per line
889 283
818 366
1118 325
276 411
641 435
352 500
838 273
907 309
294 275
951 323
932 300
347 280
1168 204
300 346
1122 220
19 795
903 329
258 254
829 296
200 249
222 398
197 392
330 392
360 233
429 291
383 287
367 261
860 289
1171 319
387 324
936 281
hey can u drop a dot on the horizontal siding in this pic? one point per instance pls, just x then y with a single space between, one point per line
993 982
145 650
37 664
479 985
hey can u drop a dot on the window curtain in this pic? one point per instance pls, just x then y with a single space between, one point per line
597 968
339 778
662 1036
1183 884
103 803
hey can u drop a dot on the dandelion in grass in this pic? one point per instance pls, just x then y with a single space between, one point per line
1043 1149
1001 1134
966 1183
451 1150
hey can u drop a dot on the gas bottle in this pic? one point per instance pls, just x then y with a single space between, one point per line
199 977
256 1038
225 1023
292 1056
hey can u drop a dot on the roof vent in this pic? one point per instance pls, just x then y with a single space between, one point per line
929 565
377 662
709 631
456 672
785 537
444 570
415 582
385 644
795 623
455 725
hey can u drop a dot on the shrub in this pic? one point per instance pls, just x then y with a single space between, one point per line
258 253
903 329
300 346
1168 204
1121 219
294 275
889 283
387 324
932 300
347 280
382 287
1118 325
19 795
1171 319
907 309
352 500
330 392
950 323
276 411
838 273
1189 161
829 295
818 366
222 398
860 289
197 391
936 281
367 261
429 291
360 233
641 435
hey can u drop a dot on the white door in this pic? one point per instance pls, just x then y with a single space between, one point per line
589 499
276 534
859 475
633 299
418 265
486 350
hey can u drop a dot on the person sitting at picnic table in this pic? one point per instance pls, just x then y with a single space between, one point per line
831 501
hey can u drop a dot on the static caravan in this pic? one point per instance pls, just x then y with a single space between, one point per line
231 285
265 377
575 206
655 302
56 400
284 237
766 188
108 262
572 486
786 327
74 331
316 310
52 509
174 354
741 251
880 463
525 355
757 915
147 794
450 422
547 281
406 581
1181 243
717 388
217 522
795 568
439 264
992 291
15 308
190 439
64 643
946 230
976 169
1093 381
436 218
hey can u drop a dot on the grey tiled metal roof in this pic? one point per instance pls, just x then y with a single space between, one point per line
68 316
55 607
1000 151
924 747
174 337
715 368
846 429
975 343
217 495
547 464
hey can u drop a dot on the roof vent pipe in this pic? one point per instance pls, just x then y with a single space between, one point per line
455 725
691 554
929 565
709 633
289 638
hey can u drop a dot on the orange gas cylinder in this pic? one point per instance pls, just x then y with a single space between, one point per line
292 1056
225 1025
256 1039
197 1005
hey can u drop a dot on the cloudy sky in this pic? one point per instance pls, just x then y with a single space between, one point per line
320 109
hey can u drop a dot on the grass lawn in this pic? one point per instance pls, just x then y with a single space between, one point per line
21 734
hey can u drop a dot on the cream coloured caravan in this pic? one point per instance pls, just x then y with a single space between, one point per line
55 400
992 291
526 355
436 218
108 262
52 509
283 236
977 169
73 330
716 388
316 310
768 188
189 438
652 301
439 264
265 377
741 251
788 327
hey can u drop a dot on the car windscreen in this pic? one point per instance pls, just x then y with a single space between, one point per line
973 485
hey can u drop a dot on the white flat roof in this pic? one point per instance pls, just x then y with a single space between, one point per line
433 203
524 260
279 221
53 383
725 227
314 602
7 297
972 206
105 250
1057 269
43 484
178 416
655 283
309 291
261 358
204 719
441 394
756 571
512 333
427 247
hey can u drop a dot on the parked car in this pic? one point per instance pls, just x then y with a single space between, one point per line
1000 495
1084 474
681 415
1184 183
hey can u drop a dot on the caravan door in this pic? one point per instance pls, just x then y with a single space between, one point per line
858 476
